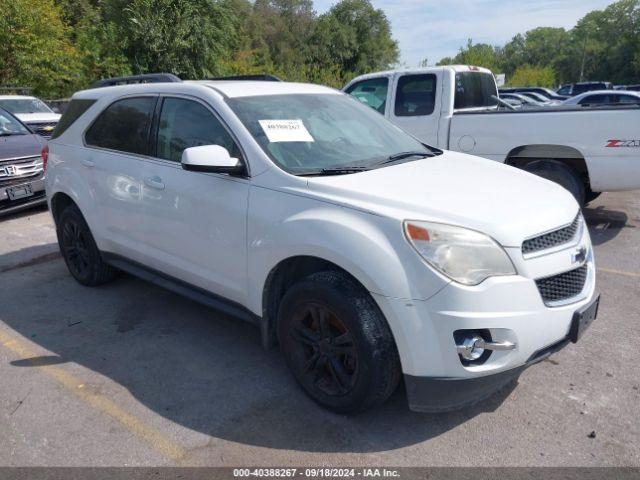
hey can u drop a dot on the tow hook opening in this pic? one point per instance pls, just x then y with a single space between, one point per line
476 346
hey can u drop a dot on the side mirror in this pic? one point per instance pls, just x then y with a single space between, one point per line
212 159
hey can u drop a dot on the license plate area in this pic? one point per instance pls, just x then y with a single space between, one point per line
19 191
583 318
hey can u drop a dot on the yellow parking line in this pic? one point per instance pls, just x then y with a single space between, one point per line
619 272
76 386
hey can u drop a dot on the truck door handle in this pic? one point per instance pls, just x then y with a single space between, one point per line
154 182
88 163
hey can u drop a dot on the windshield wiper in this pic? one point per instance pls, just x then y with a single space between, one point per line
403 155
335 171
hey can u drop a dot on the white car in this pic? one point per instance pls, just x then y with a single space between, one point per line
364 253
32 111
604 98
587 151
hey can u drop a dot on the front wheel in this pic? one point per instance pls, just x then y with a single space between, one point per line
337 343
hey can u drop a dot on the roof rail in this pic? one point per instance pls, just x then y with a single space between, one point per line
146 78
262 78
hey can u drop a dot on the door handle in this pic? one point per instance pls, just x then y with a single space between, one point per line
88 163
154 182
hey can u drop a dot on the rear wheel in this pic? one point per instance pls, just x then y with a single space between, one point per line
80 251
561 174
337 343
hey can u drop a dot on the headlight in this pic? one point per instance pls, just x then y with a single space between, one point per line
466 256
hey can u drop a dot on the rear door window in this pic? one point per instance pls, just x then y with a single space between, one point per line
124 126
371 92
415 95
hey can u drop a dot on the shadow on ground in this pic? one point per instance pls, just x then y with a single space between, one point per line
605 224
196 367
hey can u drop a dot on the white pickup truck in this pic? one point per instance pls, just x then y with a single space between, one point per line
457 108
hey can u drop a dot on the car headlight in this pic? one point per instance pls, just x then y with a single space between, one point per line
464 255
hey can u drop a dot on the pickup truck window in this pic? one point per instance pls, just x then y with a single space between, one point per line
123 126
371 92
337 131
475 90
185 123
415 95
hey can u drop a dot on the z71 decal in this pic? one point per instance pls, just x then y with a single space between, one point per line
623 143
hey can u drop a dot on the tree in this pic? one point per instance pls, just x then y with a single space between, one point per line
479 54
36 49
355 38
528 76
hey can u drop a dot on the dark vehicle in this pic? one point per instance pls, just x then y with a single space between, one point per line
21 165
633 88
546 92
573 89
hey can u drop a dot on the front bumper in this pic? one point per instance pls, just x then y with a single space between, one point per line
509 308
8 206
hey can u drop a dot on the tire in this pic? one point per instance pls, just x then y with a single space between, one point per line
337 343
561 174
80 251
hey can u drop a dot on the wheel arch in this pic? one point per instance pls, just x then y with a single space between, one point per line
281 277
523 155
60 201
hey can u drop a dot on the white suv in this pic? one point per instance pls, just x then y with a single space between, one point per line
364 253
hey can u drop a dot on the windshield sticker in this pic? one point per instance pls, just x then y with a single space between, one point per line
285 131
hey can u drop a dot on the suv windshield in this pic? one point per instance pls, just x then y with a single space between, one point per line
10 126
309 133
25 105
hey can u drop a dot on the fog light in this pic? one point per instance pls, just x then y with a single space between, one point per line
471 348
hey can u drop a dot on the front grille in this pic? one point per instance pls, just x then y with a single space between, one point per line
563 286
18 170
551 239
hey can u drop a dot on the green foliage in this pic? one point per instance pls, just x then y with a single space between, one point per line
528 76
479 54
58 46
36 48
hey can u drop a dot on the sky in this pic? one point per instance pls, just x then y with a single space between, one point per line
434 29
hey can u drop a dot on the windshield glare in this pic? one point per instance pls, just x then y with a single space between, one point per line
306 133
25 105
9 126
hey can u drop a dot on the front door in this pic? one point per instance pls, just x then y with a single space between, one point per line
416 106
195 223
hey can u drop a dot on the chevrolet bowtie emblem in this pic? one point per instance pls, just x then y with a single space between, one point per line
579 256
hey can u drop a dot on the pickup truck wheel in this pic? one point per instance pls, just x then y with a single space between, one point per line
337 343
561 174
80 251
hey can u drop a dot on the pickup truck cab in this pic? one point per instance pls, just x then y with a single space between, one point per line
364 253
456 108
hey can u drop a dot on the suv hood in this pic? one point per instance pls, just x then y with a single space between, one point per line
20 146
501 201
38 117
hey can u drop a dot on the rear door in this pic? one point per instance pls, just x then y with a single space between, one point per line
117 150
415 105
194 223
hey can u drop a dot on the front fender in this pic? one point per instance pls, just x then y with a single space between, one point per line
371 248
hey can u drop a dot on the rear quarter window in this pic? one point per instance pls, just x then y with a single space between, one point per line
75 109
123 126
